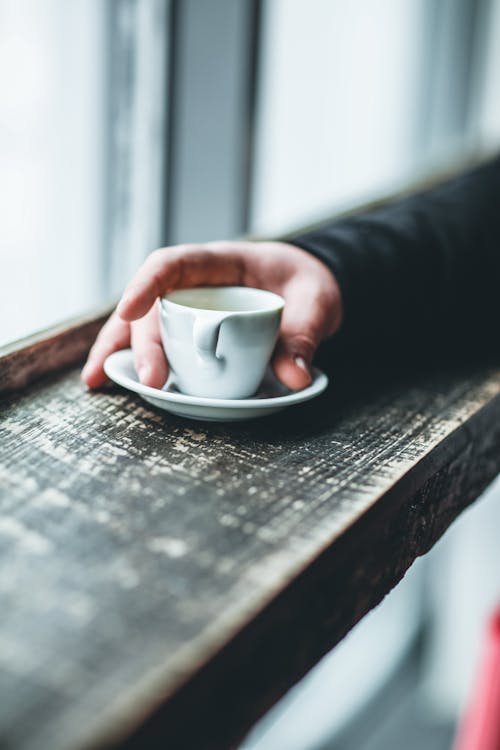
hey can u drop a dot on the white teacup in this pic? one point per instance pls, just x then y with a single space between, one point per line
219 340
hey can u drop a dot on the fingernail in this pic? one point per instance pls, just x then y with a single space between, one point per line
300 362
143 372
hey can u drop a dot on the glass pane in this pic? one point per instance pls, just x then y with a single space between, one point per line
488 110
51 160
359 98
338 114
80 153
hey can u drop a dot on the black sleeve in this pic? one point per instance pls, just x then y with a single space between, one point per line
421 272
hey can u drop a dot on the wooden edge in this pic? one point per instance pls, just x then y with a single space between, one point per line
52 349
319 607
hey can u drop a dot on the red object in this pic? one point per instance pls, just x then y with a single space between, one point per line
480 727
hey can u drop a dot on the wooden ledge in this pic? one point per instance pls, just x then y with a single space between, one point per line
48 351
165 582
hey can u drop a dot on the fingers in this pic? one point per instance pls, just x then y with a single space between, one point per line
313 307
114 335
306 321
149 359
143 335
180 267
290 368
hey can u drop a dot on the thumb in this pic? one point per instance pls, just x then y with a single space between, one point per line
292 360
303 326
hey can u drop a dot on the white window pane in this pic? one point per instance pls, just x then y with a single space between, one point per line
51 164
338 105
488 124
81 153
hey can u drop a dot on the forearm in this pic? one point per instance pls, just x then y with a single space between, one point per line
423 271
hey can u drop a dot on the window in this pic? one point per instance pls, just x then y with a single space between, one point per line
81 146
51 153
339 106
358 98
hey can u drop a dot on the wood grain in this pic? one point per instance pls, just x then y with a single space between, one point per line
50 350
164 582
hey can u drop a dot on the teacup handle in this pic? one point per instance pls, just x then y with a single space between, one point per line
206 337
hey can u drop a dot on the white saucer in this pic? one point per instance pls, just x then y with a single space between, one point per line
271 396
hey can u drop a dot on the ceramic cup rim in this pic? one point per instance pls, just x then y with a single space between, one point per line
279 302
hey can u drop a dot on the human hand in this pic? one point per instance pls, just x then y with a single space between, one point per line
313 304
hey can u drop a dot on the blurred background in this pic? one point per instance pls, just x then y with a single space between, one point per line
129 124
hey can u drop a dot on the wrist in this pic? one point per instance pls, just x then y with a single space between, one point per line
328 284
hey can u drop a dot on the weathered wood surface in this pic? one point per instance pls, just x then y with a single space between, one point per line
28 359
167 579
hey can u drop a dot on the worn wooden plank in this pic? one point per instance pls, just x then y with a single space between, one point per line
30 358
169 579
